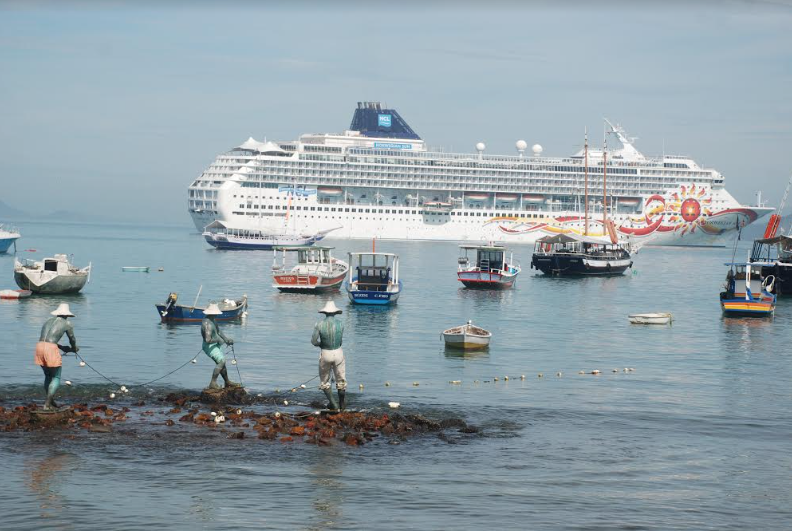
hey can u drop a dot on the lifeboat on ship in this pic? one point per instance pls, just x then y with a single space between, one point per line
533 198
629 201
506 198
477 197
329 191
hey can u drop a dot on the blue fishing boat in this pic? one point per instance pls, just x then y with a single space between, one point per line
748 293
8 237
373 278
170 312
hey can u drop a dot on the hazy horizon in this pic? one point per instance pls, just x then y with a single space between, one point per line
112 111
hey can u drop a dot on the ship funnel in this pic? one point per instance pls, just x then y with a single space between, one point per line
373 120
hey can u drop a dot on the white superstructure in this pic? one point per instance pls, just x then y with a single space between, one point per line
378 179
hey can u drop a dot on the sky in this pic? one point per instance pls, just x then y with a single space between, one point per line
112 109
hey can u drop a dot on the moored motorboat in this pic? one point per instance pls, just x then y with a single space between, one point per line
54 276
231 237
467 337
491 269
650 318
8 237
774 255
14 294
315 271
135 269
748 292
170 312
373 278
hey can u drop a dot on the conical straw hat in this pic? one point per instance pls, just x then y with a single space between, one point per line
330 308
213 309
62 311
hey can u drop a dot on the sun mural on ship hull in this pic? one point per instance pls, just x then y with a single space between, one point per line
681 212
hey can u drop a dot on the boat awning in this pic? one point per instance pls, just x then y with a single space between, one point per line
302 248
251 144
574 238
777 239
483 247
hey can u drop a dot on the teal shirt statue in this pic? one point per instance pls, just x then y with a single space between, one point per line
328 335
213 339
47 354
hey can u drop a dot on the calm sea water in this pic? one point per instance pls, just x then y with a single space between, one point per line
697 437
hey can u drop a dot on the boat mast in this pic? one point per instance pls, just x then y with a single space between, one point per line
605 183
585 186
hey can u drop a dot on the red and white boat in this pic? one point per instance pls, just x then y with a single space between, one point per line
315 271
14 294
491 269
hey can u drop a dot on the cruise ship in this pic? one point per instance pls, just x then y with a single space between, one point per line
379 180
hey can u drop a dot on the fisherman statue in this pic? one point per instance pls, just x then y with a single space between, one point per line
328 335
212 337
47 355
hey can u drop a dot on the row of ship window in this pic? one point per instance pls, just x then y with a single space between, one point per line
384 211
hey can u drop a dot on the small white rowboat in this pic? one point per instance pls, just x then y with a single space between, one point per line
650 318
468 337
135 269
13 294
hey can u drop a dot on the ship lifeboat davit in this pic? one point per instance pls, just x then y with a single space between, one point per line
477 197
329 192
507 198
533 198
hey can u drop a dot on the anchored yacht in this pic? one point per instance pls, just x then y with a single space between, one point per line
379 179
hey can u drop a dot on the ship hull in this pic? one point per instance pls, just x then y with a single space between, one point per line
657 222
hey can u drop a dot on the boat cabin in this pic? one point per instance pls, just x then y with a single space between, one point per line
306 254
601 248
487 257
373 271
742 275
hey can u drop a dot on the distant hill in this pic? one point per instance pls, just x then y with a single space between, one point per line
8 212
67 215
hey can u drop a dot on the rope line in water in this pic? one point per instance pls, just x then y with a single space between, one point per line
136 385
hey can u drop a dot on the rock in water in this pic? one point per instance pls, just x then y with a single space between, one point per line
225 395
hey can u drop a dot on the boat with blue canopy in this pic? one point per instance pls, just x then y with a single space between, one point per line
373 278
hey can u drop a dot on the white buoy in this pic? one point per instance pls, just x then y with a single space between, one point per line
213 413
415 384
540 375
233 362
495 379
302 386
615 370
67 382
360 386
455 382
82 364
522 377
194 360
558 374
277 414
239 411
387 384
393 405
581 372
294 390
506 378
112 395
259 395
285 402
595 371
